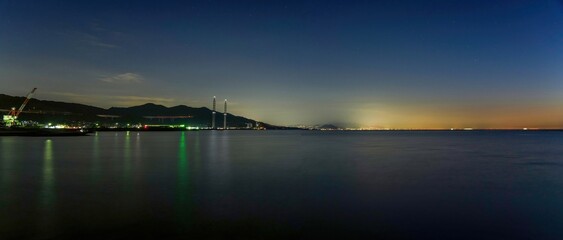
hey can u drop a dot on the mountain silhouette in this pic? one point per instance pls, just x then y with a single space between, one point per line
149 113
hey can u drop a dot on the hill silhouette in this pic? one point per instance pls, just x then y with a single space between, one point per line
150 113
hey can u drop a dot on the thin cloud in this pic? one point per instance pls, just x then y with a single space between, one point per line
138 100
101 44
89 39
97 27
96 41
123 78
109 100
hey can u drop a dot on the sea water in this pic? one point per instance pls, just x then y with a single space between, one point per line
286 184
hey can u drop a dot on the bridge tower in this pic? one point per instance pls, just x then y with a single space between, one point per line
214 112
225 116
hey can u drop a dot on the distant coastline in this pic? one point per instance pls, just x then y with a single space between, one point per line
43 112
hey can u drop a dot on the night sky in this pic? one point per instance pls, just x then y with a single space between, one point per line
396 64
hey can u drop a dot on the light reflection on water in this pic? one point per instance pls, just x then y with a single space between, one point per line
47 194
183 199
95 168
48 179
127 165
7 161
293 183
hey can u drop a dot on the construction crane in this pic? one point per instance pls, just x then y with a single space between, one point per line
12 116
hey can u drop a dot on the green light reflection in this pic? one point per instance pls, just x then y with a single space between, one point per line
48 178
196 151
7 171
47 222
183 199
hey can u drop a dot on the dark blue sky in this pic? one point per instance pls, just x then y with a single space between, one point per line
420 64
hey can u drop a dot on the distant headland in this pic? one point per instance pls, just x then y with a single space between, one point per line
149 114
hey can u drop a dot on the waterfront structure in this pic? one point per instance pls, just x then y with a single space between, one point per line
225 116
12 117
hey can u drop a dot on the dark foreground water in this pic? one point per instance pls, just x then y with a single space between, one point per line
287 184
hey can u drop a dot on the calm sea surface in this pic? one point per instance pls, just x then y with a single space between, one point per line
289 184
